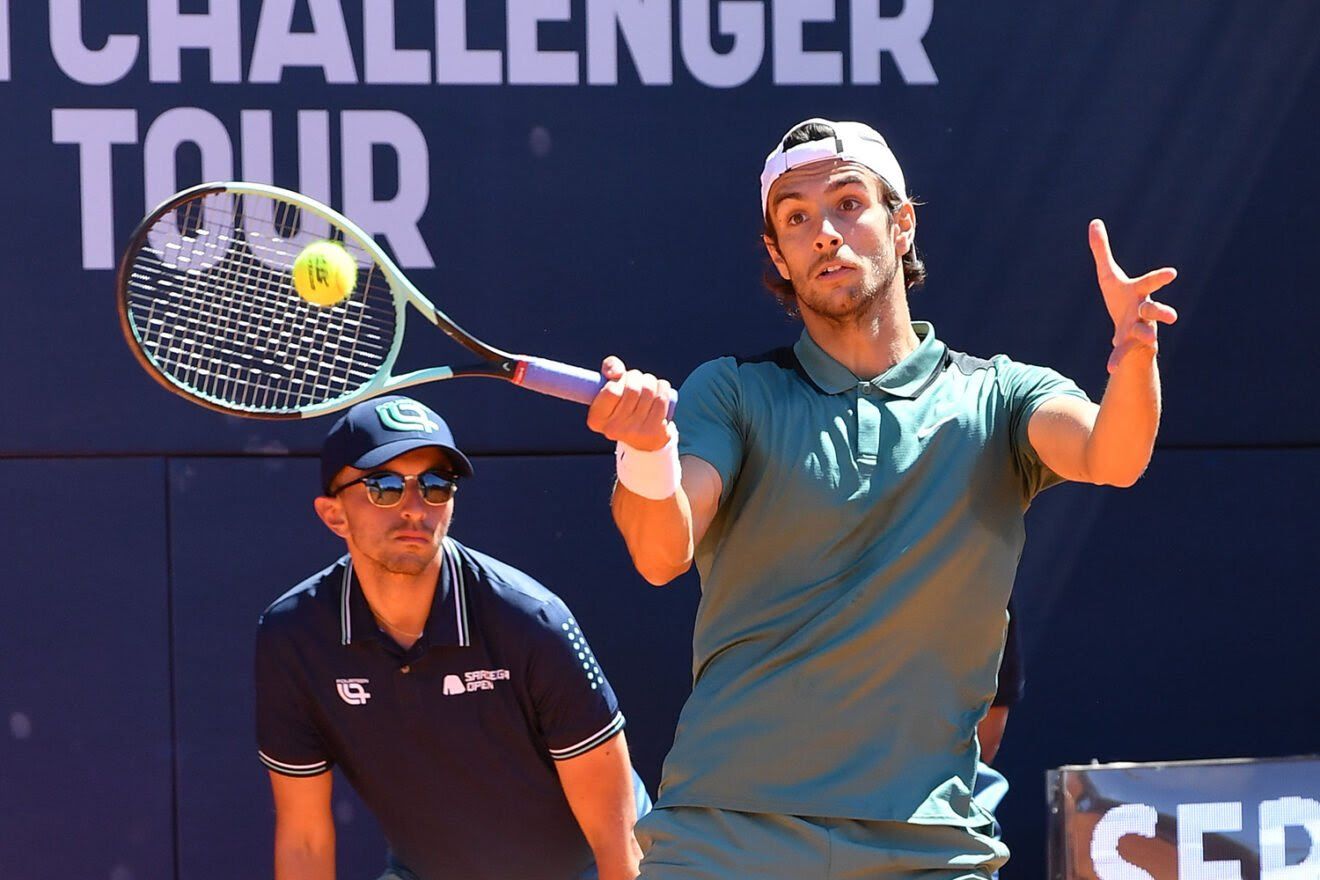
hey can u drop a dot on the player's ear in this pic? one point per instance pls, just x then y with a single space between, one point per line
905 228
331 512
776 257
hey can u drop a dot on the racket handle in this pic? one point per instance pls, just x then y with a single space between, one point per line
566 381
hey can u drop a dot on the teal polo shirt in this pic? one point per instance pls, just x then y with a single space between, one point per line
854 579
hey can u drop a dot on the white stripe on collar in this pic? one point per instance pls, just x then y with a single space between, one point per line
345 618
455 579
460 592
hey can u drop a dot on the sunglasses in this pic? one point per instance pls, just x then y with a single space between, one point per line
385 488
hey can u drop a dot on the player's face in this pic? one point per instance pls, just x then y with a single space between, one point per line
837 242
403 539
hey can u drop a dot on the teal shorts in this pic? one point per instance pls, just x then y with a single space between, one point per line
701 843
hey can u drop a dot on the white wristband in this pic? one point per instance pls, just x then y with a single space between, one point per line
653 475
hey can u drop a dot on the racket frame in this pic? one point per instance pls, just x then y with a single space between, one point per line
494 363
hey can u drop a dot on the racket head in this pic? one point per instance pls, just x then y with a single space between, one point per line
207 304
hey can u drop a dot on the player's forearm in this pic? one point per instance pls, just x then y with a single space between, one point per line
305 852
304 862
658 533
1123 439
599 788
619 859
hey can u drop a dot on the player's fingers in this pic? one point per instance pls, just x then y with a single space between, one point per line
1150 310
1153 281
665 391
632 388
612 367
1105 267
658 411
602 408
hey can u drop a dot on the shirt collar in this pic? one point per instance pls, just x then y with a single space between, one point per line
907 378
447 624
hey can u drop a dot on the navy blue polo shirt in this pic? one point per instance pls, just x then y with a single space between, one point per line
452 742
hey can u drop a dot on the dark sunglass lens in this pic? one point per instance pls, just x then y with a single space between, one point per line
384 490
436 488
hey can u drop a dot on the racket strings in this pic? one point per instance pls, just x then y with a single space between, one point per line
211 300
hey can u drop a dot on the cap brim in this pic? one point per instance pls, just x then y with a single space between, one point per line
382 454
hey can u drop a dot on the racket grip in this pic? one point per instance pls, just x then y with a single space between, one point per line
567 382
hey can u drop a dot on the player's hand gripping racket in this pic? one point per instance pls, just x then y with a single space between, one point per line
207 302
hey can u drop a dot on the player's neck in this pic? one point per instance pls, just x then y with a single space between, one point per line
400 602
869 344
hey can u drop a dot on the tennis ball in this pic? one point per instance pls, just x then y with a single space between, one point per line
324 273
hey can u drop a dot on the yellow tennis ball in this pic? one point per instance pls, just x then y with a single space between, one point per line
324 273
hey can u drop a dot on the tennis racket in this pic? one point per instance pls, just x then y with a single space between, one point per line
207 303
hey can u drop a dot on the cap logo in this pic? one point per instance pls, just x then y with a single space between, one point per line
405 415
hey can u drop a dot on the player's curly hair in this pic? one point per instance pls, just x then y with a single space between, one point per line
914 270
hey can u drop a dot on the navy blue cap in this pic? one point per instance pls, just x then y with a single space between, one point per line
373 432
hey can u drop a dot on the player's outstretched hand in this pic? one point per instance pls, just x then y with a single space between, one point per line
632 407
1134 313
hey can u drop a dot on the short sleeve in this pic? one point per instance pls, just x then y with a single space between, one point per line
708 418
1025 387
575 706
288 741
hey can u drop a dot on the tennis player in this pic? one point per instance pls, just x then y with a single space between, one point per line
457 695
854 504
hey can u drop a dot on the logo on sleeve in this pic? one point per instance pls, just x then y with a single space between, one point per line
476 680
405 415
578 642
351 691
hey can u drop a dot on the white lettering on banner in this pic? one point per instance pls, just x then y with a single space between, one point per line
385 62
744 20
172 31
277 46
314 155
1194 822
93 132
739 28
1274 817
92 67
455 63
529 65
4 40
644 26
258 155
171 130
258 151
256 134
396 218
1113 826
901 36
793 64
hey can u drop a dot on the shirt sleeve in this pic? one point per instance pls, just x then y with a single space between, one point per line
288 741
708 418
575 706
1025 387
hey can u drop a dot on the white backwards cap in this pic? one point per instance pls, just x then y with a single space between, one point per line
850 142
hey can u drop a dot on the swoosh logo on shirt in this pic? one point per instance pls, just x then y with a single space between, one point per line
926 430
